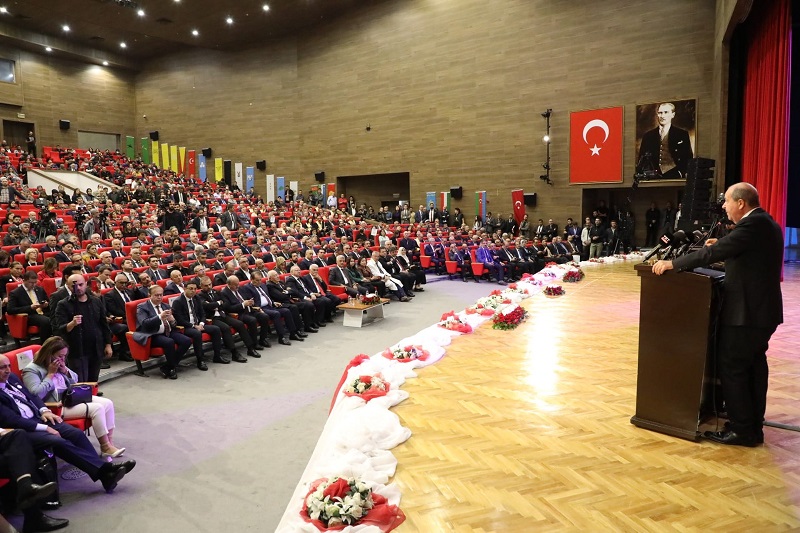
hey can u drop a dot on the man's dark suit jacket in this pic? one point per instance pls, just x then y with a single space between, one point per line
298 288
171 288
61 294
115 305
10 416
150 272
180 310
220 279
335 277
196 223
231 304
279 292
680 147
20 303
753 255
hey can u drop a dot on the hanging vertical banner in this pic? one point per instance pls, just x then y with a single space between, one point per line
237 173
145 146
251 178
218 174
191 164
430 198
518 199
130 150
182 160
331 190
480 205
444 201
280 188
201 167
294 186
270 187
173 159
156 155
165 156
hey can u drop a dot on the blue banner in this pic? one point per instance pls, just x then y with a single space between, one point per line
201 167
250 172
281 187
430 199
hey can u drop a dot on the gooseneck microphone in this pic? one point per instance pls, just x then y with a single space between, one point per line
677 239
663 242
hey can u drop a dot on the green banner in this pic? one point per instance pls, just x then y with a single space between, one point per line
145 150
130 147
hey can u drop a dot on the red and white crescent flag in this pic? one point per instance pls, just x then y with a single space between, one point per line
518 199
595 146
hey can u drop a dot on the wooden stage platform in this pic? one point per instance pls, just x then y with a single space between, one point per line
529 430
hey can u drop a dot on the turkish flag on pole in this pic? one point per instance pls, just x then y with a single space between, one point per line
595 146
191 166
518 199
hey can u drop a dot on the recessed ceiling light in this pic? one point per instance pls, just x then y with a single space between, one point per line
48 49
140 12
65 27
105 63
265 7
229 20
3 9
123 45
195 33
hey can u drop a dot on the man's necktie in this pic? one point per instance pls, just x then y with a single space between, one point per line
34 300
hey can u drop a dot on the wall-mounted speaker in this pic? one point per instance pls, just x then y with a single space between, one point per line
320 176
456 193
154 135
63 124
207 152
261 165
530 199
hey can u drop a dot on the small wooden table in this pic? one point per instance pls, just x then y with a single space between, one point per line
357 315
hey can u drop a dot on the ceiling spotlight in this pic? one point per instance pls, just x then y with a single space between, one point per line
48 49
229 20
195 33
140 12
105 63
546 138
123 45
265 7
65 27
3 10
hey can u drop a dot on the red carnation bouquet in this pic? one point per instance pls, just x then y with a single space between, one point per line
451 321
509 319
554 290
367 387
574 276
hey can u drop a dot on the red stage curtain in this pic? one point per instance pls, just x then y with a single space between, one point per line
765 124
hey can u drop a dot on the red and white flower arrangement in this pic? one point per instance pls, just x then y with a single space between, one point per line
509 318
369 299
367 387
554 290
407 353
597 260
487 305
452 322
574 276
334 503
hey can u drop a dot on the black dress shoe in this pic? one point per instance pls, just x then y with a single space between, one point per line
759 434
301 334
221 360
321 325
111 474
239 358
330 319
202 366
310 329
42 522
253 353
419 289
296 337
731 438
165 371
105 366
126 357
284 341
32 494
265 344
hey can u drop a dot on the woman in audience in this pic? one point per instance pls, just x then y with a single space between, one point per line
280 265
48 377
5 259
76 194
90 253
31 258
367 279
478 224
50 269
383 240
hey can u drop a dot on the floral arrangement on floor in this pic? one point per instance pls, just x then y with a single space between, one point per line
554 290
513 288
509 319
597 260
451 322
407 353
573 264
334 503
369 299
550 264
574 276
478 309
367 387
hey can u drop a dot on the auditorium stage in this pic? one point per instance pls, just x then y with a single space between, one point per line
529 430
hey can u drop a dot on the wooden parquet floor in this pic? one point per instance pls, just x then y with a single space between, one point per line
529 430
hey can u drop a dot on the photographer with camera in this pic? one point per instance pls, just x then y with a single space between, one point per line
96 224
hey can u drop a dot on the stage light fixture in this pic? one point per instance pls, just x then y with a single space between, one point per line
546 139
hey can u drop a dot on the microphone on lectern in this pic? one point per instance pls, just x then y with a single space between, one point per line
677 238
663 242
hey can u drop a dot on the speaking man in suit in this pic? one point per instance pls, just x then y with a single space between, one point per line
667 148
751 310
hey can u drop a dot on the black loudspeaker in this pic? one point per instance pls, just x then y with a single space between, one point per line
154 135
456 193
698 207
261 165
530 199
63 124
227 172
207 152
320 176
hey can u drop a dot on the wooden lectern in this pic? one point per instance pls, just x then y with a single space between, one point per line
676 367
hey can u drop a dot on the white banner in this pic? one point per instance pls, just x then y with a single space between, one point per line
238 175
294 185
270 187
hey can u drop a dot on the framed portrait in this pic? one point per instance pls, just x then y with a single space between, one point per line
666 139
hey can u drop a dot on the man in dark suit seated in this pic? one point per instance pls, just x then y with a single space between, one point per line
282 317
30 298
115 301
319 288
18 463
175 284
212 307
464 261
299 289
436 253
19 409
65 255
234 302
155 271
189 314
486 255
222 277
280 292
154 321
339 276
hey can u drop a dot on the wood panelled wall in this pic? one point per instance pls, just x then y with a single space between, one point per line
91 97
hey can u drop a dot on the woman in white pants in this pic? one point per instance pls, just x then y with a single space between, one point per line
48 377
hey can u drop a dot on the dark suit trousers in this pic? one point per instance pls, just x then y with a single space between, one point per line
172 353
197 340
239 327
119 330
16 455
744 373
252 321
282 319
43 323
72 446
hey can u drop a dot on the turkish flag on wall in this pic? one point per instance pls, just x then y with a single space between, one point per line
518 199
595 146
191 165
